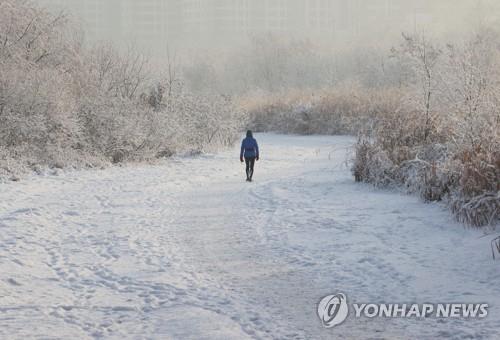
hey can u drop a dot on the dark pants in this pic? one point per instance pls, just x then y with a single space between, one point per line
250 162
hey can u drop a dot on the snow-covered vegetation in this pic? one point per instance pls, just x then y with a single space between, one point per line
443 141
65 104
428 120
427 113
345 109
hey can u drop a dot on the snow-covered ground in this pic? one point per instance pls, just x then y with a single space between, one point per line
189 250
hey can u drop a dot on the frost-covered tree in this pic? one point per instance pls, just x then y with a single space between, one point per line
64 104
420 58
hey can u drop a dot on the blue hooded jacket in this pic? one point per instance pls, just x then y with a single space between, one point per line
249 147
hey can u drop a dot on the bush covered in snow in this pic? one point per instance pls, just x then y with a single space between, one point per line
63 104
443 142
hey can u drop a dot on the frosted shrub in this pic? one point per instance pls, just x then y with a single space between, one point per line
63 105
429 179
205 122
477 201
372 165
443 141
36 99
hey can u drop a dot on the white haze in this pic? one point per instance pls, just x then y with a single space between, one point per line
156 26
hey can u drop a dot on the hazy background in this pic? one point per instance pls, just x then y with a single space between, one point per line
425 104
153 25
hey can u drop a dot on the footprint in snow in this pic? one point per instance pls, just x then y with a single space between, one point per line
13 282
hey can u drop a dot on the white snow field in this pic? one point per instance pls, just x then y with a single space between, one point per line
188 250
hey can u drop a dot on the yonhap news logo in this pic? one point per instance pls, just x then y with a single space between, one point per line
333 310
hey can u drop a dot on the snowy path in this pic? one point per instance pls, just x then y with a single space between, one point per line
188 250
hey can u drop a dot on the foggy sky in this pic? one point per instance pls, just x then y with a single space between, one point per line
155 24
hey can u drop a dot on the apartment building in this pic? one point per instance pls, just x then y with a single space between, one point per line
146 23
101 19
154 24
227 19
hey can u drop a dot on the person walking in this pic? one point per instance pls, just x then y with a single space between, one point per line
249 154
